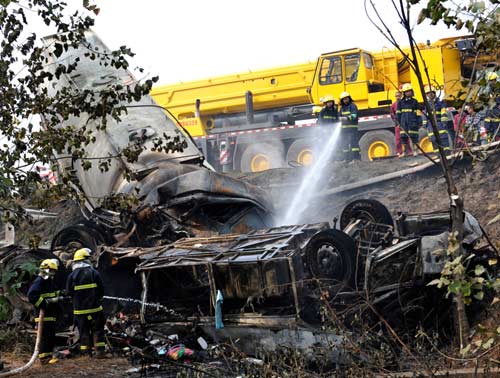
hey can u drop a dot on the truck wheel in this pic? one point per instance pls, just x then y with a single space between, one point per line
302 151
377 144
424 141
262 156
330 255
71 238
366 209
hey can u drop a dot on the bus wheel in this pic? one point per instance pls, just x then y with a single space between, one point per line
262 156
302 151
377 144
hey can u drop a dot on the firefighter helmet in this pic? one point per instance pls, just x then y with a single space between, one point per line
344 95
429 89
316 109
328 98
49 264
407 87
491 76
82 254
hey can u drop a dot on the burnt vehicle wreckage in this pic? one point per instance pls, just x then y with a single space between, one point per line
197 235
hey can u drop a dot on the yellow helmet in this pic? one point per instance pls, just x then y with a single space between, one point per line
316 109
327 98
406 87
429 88
344 95
491 76
49 264
82 254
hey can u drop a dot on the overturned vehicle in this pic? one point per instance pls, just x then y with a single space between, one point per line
177 194
282 277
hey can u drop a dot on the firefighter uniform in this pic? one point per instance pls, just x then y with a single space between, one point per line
43 294
441 112
409 117
349 135
85 286
329 114
492 121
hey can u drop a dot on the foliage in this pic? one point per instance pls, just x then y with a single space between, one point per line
11 281
482 20
25 82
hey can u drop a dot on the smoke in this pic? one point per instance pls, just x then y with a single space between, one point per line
312 178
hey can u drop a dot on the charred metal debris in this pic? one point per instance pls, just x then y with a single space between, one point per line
280 277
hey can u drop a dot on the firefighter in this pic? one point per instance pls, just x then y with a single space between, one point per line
492 121
44 294
409 118
492 88
349 130
397 131
85 286
440 110
329 114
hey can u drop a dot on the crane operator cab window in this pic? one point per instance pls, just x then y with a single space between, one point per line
351 67
331 70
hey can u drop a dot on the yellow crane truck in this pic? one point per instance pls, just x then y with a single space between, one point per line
263 119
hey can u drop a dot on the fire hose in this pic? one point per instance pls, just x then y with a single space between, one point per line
35 352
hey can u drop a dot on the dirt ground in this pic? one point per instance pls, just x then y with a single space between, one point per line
423 192
70 368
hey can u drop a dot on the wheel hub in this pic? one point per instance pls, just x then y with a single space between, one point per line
426 145
329 261
305 157
259 162
378 149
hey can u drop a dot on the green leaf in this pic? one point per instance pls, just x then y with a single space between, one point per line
465 350
479 295
488 344
479 270
454 287
58 50
466 289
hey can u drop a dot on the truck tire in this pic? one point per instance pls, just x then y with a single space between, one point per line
366 209
73 237
302 151
330 255
262 156
424 141
377 144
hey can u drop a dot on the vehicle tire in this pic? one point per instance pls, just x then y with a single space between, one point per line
424 141
377 144
262 156
330 255
302 151
73 237
366 209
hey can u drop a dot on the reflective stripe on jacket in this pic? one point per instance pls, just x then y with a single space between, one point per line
350 111
409 114
85 286
39 291
328 115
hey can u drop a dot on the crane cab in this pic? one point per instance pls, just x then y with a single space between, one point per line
353 71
